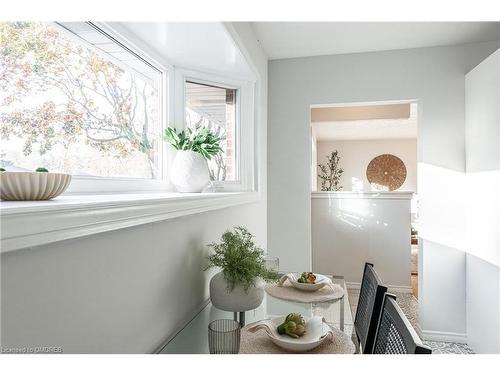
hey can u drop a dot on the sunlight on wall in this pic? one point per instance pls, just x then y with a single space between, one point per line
442 205
483 216
353 211
461 210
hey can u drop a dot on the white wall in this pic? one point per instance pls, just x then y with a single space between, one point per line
314 162
482 95
482 130
119 292
116 292
434 77
355 155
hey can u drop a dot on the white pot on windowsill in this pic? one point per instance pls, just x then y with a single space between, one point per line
189 172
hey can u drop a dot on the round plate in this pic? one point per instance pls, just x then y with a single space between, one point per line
321 281
315 334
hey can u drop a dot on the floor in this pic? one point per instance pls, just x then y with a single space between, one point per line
409 305
414 285
414 270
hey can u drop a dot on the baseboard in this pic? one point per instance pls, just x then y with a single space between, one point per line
460 338
392 288
181 326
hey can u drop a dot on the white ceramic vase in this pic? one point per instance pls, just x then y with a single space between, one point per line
189 173
238 299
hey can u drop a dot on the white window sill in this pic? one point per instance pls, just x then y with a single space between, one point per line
26 224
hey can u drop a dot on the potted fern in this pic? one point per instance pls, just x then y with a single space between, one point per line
239 286
189 171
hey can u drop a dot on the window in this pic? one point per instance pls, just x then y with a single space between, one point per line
81 98
215 107
75 100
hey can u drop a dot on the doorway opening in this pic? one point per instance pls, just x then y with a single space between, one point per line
368 148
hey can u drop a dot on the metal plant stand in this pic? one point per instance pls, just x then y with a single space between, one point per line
242 317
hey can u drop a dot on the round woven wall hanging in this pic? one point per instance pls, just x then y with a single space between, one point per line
386 172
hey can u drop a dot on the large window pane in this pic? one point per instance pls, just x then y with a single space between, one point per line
76 102
215 107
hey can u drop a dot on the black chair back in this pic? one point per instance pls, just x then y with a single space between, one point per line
371 296
395 335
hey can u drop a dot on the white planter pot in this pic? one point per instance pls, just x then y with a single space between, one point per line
238 299
189 172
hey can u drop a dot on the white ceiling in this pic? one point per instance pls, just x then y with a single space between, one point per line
367 129
205 46
295 39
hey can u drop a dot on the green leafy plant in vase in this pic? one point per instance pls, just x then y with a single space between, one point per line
189 171
239 286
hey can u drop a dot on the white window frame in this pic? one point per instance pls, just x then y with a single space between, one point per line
172 113
244 123
88 185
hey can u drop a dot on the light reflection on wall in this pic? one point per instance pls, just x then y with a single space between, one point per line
442 205
483 215
353 211
461 210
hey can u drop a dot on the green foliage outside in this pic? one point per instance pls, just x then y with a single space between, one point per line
54 90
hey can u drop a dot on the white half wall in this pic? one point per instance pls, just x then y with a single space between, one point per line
432 76
349 229
355 155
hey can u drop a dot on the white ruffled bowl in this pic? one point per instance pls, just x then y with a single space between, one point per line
32 186
320 282
317 331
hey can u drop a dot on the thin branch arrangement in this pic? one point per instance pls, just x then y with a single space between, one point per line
331 173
